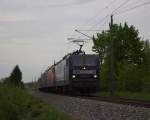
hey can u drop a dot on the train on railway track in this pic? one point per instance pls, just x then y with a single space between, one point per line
76 72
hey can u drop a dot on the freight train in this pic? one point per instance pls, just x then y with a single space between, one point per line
76 72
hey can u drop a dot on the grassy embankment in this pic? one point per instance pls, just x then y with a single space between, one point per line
130 95
17 104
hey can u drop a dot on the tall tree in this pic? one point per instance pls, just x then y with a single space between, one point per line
16 76
128 44
101 44
128 47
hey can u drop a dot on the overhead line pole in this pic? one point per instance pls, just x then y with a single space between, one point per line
112 59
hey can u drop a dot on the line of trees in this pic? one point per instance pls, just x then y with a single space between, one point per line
132 58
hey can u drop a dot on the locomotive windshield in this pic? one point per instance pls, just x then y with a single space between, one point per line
87 60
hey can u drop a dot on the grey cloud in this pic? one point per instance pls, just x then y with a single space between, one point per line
20 4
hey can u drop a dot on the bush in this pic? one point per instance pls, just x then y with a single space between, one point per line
129 77
17 104
104 77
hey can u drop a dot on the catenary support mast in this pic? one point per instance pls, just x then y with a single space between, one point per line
112 59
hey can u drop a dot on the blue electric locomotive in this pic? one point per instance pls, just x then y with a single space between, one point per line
77 72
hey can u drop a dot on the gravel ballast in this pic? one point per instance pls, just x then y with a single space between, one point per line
83 109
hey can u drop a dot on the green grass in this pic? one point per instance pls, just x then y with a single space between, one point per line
17 104
130 95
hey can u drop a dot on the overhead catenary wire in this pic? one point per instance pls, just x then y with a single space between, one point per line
113 12
102 25
106 7
101 20
121 5
134 7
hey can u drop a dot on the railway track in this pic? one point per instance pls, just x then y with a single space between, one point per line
118 100
93 107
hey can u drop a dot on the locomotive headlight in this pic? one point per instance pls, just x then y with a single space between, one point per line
73 76
84 68
95 76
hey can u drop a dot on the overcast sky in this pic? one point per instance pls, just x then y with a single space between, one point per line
33 33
